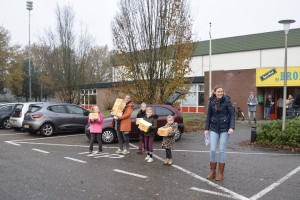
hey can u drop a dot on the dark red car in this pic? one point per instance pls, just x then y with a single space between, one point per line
109 134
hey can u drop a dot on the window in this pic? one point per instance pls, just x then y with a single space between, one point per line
75 110
195 97
34 108
135 112
161 111
6 108
88 96
201 95
57 109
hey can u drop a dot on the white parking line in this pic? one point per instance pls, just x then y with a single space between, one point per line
73 159
276 184
211 192
129 173
232 152
40 150
234 194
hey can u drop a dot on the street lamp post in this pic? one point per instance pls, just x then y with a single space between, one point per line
209 60
29 5
286 24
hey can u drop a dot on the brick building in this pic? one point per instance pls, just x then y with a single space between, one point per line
237 64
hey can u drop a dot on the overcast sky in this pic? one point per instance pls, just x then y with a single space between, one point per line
228 17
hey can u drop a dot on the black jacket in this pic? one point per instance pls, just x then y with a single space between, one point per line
223 120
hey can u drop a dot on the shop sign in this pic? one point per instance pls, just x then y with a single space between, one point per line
272 77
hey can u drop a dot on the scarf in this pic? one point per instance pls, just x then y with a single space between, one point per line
217 103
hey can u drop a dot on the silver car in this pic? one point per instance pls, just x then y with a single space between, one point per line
50 118
17 117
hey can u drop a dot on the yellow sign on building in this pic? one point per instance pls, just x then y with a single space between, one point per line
273 77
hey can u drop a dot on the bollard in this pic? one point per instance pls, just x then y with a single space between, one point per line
253 134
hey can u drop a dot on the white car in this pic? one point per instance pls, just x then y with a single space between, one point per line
17 117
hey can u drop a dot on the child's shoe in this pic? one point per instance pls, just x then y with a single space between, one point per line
170 162
166 162
119 151
150 160
99 152
147 158
125 151
139 151
90 152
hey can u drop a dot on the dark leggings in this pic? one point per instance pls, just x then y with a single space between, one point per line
168 153
99 139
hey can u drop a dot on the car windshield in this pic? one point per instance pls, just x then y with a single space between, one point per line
34 108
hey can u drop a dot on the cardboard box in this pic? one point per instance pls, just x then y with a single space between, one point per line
164 131
118 107
93 116
144 125
138 121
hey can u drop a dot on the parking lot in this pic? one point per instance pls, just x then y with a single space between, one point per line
35 167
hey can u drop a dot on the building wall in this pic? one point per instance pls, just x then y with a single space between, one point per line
244 60
237 84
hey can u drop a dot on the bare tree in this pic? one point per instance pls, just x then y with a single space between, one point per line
66 59
153 46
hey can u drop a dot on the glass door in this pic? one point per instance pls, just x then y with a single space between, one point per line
273 93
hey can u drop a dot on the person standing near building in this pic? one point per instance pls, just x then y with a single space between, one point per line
123 123
268 106
279 107
220 122
141 114
252 102
290 102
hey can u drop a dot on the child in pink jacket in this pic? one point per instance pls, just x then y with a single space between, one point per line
96 130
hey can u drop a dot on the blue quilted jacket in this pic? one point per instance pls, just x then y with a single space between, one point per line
222 120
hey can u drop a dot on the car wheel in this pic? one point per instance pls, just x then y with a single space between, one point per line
5 123
47 129
178 135
109 136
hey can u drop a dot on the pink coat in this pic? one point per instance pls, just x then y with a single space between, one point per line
96 126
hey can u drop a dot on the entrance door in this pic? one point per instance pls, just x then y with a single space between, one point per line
273 93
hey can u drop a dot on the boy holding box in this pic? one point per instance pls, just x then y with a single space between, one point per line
168 141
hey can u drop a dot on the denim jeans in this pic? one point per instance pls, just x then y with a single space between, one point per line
268 109
121 137
214 139
249 116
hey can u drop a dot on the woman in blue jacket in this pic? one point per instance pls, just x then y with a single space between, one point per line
220 122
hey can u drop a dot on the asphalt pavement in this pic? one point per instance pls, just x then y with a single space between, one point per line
34 167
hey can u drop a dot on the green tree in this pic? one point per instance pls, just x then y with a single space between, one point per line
10 64
153 41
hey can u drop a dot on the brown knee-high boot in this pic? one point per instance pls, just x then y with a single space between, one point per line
212 174
220 172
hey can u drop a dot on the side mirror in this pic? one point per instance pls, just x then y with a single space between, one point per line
86 113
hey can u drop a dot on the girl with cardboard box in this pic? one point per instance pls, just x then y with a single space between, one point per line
95 120
168 141
150 133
